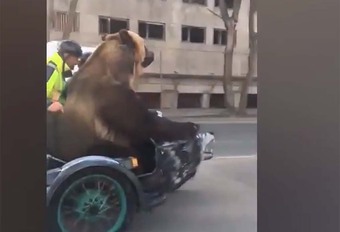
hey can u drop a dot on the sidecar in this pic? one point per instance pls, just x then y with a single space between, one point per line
102 193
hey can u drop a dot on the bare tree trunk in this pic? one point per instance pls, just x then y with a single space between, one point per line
230 25
70 19
252 61
50 18
228 67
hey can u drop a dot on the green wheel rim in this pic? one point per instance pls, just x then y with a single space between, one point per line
91 197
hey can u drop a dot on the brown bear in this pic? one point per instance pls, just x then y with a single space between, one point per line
102 106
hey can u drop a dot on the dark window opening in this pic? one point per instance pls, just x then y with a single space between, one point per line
193 34
220 36
230 3
142 30
152 100
189 100
104 25
217 101
109 25
117 25
252 101
200 2
185 34
151 30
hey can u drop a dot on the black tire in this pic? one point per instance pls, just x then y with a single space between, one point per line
126 186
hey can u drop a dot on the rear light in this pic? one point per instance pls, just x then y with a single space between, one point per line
134 162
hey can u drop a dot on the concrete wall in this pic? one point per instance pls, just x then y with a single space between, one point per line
177 56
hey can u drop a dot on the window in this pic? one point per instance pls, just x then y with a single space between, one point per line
60 21
230 3
189 100
150 30
193 34
220 36
109 25
200 2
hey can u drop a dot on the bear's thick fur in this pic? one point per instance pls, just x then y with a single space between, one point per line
102 106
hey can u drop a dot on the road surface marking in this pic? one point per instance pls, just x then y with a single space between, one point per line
223 122
216 120
235 157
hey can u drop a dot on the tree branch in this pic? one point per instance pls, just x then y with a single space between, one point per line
236 9
252 33
71 14
50 17
214 13
224 10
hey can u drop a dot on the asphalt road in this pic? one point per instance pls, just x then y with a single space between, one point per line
223 195
234 139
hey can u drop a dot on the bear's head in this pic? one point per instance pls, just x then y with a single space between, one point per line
143 57
121 57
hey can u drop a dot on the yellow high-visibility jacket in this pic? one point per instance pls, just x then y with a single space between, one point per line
55 81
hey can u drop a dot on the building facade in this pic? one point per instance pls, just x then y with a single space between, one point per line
187 38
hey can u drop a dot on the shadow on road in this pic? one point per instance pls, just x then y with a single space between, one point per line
221 198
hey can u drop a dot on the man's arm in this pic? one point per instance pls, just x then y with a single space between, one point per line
51 78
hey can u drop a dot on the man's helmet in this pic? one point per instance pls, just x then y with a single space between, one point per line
71 47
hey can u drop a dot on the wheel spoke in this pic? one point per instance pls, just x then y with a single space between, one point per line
101 227
112 189
72 212
75 223
104 208
100 186
106 218
116 209
87 228
85 189
69 210
72 197
104 202
116 202
106 221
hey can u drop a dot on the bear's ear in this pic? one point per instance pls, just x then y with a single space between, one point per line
106 37
126 39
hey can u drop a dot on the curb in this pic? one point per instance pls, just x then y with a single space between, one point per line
216 120
202 114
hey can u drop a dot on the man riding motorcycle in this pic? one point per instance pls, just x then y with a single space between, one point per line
59 67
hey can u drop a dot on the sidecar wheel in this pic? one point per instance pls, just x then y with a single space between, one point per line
95 199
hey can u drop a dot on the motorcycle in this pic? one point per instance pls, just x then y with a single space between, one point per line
102 194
